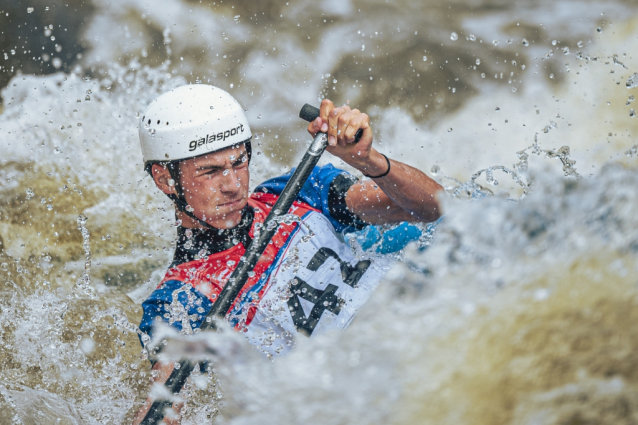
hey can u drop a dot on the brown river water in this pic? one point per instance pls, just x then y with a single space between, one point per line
522 310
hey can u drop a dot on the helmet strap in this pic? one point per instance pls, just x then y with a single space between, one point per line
180 200
182 206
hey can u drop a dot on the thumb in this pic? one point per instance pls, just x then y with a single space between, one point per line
315 126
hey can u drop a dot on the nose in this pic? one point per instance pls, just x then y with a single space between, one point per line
229 182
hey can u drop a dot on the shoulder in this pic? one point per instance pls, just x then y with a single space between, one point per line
320 176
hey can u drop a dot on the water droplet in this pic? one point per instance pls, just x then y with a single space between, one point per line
565 50
30 193
554 42
489 177
525 42
232 85
56 62
454 36
334 81
4 267
259 116
580 44
472 37
435 170
30 10
230 263
495 42
425 58
449 130
632 81
237 18
599 29
49 207
478 61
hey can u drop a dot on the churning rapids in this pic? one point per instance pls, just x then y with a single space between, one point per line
522 310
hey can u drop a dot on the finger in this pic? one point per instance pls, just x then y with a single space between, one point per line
324 110
358 122
333 123
333 120
344 122
314 127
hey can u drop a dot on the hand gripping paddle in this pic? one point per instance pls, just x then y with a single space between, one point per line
238 278
310 113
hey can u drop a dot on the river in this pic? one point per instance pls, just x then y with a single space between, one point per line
522 310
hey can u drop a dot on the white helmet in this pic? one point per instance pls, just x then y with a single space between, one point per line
190 121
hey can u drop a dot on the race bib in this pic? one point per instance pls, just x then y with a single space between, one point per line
316 283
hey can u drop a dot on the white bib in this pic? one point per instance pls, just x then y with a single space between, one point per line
315 284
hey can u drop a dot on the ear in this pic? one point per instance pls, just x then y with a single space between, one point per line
162 178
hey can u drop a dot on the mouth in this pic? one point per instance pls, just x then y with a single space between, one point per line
232 204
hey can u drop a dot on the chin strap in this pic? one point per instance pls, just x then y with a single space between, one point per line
182 206
180 201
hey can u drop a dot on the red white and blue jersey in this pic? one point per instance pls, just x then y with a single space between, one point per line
308 280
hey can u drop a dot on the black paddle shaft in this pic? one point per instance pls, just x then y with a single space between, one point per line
247 263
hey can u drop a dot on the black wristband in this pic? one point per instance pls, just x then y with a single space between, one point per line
384 174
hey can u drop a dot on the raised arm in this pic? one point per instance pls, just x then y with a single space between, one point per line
402 194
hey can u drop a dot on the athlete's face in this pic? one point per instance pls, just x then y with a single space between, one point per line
215 185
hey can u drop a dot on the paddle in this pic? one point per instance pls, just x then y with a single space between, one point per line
238 278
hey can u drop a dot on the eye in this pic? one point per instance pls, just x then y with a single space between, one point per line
240 162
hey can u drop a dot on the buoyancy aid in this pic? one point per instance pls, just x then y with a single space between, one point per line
307 281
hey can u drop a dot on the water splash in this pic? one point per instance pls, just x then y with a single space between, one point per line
84 283
473 190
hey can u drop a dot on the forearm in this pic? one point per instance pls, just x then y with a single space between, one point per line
404 194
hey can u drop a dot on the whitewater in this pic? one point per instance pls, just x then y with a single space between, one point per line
521 310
